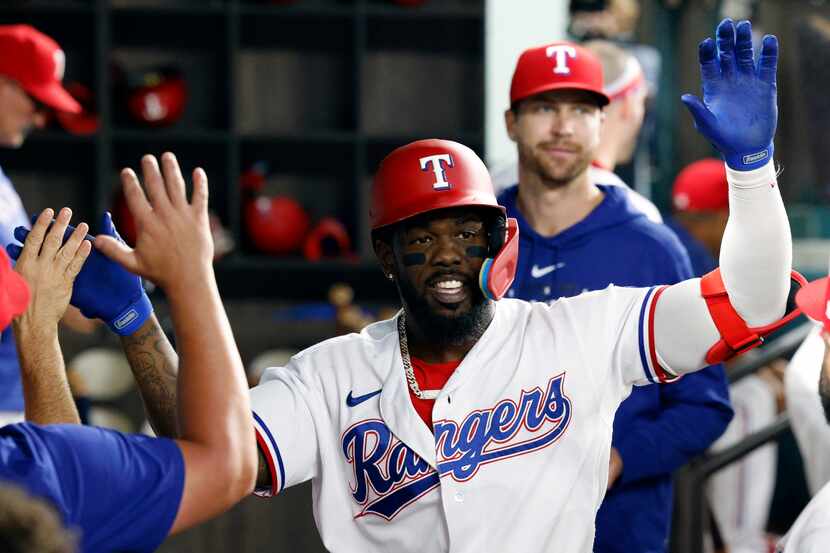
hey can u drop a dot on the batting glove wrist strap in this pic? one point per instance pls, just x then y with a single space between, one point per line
749 161
130 319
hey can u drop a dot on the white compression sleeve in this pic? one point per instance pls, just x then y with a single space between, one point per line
755 262
756 251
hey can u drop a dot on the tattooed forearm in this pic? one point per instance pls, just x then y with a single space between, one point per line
155 364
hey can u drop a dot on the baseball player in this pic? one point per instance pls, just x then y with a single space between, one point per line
626 91
807 410
471 424
126 492
810 532
576 235
31 70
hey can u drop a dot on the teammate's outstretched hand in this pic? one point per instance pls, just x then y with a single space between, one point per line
103 289
739 112
50 266
173 242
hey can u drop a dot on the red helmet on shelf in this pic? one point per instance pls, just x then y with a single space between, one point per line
329 238
276 225
437 174
157 97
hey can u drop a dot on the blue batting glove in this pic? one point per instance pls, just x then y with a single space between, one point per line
739 113
103 289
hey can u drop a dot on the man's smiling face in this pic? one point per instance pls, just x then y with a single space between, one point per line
436 259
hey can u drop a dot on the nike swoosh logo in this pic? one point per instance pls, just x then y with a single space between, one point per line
352 401
537 272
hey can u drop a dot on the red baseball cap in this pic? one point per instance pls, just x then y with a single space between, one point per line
37 63
701 187
554 66
14 293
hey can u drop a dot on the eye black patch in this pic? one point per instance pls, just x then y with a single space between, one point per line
410 259
477 251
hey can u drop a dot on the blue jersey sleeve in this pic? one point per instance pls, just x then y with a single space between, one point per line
121 492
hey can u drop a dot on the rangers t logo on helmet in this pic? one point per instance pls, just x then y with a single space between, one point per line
434 163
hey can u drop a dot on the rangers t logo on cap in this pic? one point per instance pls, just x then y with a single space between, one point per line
574 68
561 53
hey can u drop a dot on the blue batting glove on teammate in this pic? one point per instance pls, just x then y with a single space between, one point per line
103 289
739 112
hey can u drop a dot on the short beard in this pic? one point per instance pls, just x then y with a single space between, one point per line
447 331
534 163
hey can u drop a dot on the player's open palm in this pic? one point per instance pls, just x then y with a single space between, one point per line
738 113
49 265
173 241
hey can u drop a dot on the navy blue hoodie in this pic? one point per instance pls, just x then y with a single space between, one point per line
657 428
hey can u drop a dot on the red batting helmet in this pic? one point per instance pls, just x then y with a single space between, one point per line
555 66
437 174
329 238
276 225
158 98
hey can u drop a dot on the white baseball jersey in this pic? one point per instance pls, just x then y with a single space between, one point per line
522 430
806 413
810 533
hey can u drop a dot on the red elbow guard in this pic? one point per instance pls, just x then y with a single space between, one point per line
736 336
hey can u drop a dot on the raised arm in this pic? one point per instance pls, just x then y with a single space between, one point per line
105 290
155 365
49 267
174 249
738 114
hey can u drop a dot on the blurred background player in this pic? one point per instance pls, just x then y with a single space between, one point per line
741 494
127 492
576 235
625 85
809 377
617 22
31 71
807 404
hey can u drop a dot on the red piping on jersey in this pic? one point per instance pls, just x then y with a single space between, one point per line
275 483
662 374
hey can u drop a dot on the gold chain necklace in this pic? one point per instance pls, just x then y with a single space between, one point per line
407 363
